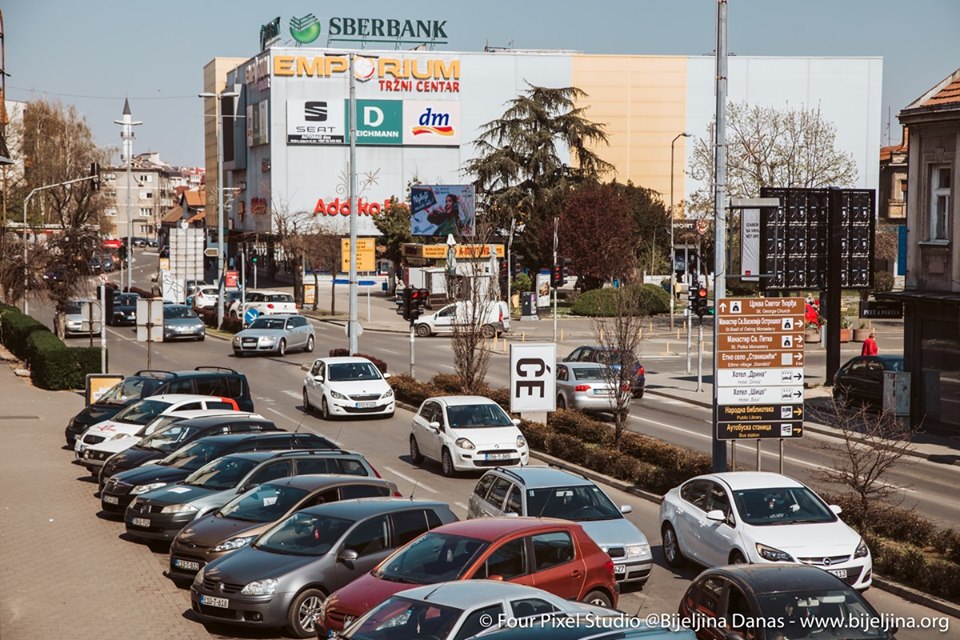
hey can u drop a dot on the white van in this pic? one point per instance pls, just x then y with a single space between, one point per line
494 319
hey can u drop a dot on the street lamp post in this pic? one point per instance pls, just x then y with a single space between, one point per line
218 97
673 251
127 123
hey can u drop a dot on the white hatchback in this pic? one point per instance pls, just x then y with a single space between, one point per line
347 387
466 433
757 517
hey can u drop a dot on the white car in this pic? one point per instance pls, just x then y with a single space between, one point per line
757 517
493 318
205 297
347 387
144 413
265 303
466 433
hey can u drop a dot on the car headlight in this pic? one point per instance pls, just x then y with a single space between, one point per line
463 443
236 339
637 550
143 488
774 555
862 550
233 543
337 396
260 588
133 502
388 394
121 435
198 579
267 339
179 508
521 442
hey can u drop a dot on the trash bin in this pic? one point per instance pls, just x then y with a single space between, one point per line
528 303
383 286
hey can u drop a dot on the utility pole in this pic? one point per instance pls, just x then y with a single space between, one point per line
127 123
673 251
555 223
352 325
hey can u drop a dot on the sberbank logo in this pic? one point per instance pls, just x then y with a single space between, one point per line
306 29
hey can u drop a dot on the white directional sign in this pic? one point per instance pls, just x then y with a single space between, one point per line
759 395
533 370
759 377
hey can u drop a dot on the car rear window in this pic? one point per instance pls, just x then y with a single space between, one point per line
219 404
279 297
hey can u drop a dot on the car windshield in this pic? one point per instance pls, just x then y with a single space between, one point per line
892 364
175 312
585 373
132 388
580 504
466 416
267 323
128 299
224 473
353 371
191 457
839 613
168 437
157 424
304 534
400 617
781 505
432 558
265 503
615 357
140 413
73 308
233 295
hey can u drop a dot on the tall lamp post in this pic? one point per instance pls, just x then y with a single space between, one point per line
218 98
127 123
673 251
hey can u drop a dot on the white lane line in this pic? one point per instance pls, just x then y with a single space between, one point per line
396 353
292 394
461 505
446 366
117 334
416 483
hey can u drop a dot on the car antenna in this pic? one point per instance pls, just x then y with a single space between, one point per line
416 484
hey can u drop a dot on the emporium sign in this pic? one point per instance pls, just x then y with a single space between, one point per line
431 75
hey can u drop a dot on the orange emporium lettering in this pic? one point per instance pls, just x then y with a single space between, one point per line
401 69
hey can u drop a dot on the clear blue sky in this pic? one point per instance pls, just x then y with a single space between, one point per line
93 53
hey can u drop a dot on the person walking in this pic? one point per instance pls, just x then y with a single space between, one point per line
870 344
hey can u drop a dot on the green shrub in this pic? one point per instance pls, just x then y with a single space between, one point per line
602 303
88 359
521 283
883 281
53 365
16 330
377 362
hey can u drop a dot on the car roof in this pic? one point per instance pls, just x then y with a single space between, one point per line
583 365
779 578
365 507
542 476
229 438
260 456
344 360
495 528
453 401
312 481
207 371
471 593
182 397
203 418
279 316
738 480
176 305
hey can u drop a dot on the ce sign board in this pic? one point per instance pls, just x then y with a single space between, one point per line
533 377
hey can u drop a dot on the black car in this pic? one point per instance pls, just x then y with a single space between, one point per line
860 380
123 309
776 601
123 487
211 381
180 433
107 264
614 358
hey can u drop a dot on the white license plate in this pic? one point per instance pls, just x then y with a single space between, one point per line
498 456
840 573
111 499
620 569
602 392
189 565
140 522
365 405
210 601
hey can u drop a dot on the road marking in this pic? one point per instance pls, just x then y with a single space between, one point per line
416 483
461 505
293 394
396 353
116 333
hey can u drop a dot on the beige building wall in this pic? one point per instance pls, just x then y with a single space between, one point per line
642 102
214 81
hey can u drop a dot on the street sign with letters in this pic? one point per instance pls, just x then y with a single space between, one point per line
533 377
881 309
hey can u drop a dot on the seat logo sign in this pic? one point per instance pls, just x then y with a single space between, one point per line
306 29
315 111
434 123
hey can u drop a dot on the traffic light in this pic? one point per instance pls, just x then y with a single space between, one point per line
95 174
418 300
558 276
701 302
122 251
504 277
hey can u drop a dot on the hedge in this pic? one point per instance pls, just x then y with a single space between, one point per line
230 324
651 300
16 329
342 353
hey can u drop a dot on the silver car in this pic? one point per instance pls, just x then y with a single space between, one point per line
544 492
275 334
78 318
586 386
180 321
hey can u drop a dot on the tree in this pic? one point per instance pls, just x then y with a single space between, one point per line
651 226
394 225
519 171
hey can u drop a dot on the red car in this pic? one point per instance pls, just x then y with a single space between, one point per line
553 555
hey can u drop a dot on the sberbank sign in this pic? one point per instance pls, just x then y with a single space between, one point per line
307 29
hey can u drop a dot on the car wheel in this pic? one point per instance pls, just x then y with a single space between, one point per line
488 331
737 558
415 454
598 599
638 394
282 348
446 464
309 347
423 330
201 338
303 612
841 396
237 353
561 402
671 546
306 401
324 410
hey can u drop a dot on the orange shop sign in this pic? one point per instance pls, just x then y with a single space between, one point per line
338 207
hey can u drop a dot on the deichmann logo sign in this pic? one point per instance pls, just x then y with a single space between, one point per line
379 122
316 122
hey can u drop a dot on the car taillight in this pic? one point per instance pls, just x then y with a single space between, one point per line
608 565
625 387
375 472
500 319
641 371
270 305
397 494
582 387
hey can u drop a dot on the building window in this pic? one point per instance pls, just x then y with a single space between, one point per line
145 212
939 202
111 212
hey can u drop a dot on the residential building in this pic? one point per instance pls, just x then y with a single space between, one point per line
151 194
892 203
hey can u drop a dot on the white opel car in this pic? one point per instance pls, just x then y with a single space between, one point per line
466 433
757 517
347 387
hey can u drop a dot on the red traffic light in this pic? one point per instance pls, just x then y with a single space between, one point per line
702 292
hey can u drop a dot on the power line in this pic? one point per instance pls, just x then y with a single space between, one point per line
88 97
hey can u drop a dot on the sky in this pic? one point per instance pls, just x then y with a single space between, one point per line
94 53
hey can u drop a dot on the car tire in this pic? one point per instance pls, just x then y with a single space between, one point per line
561 402
282 347
237 354
324 409
306 402
415 454
841 396
303 612
201 338
638 394
671 546
423 330
488 331
737 558
446 464
598 599
309 347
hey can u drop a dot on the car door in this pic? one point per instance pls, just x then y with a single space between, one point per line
270 471
557 567
873 383
509 560
855 380
705 602
293 336
428 439
492 505
574 355
315 388
718 538
479 495
444 319
563 377
690 514
370 540
479 620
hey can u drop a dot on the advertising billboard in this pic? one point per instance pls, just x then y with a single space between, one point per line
316 122
442 209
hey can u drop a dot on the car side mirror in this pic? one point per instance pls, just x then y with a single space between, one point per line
434 425
387 376
516 422
836 509
348 555
625 508
318 378
716 515
495 577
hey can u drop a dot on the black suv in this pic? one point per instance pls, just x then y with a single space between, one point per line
177 435
205 381
123 487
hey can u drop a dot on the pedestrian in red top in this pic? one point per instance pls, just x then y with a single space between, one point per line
870 344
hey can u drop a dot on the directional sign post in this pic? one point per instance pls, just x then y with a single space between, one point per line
250 315
759 369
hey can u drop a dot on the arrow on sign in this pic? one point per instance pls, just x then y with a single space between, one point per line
797 376
798 411
798 394
799 341
723 307
798 358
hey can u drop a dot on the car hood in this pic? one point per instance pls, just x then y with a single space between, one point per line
808 540
245 565
354 387
115 446
483 437
110 428
151 473
618 532
210 530
182 322
364 594
260 333
133 457
95 413
175 494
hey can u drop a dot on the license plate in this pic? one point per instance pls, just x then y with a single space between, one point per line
140 522
365 405
210 601
620 569
602 392
111 499
840 573
189 565
498 456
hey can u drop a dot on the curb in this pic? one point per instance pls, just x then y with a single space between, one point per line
596 477
917 597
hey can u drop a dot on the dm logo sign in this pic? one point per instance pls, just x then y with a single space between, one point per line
306 29
433 123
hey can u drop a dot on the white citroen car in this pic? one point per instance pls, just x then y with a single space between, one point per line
466 433
347 386
757 517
